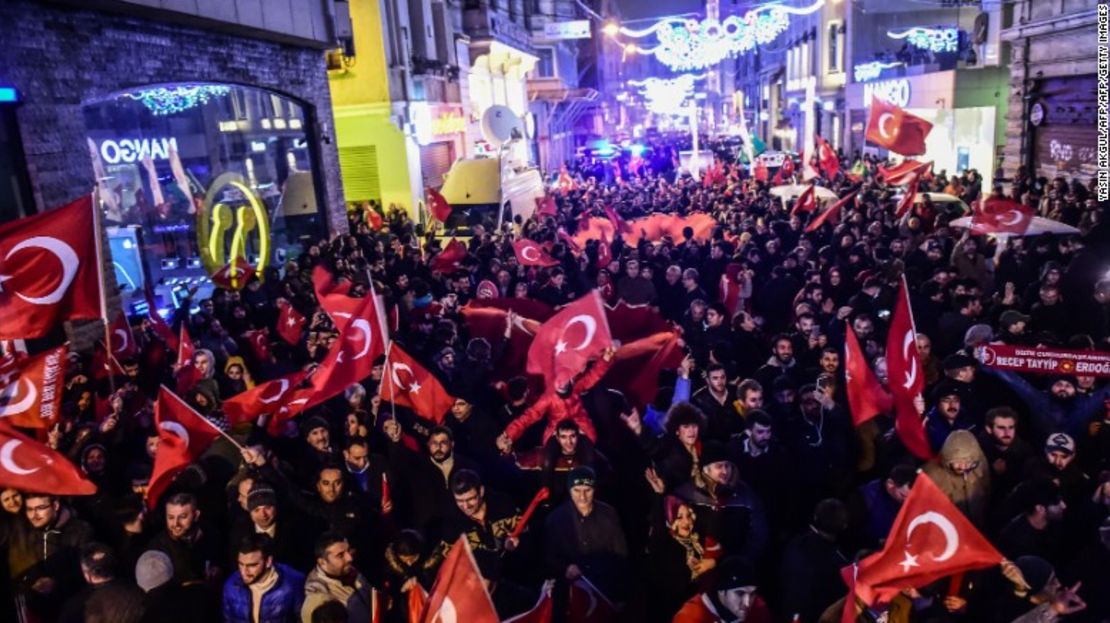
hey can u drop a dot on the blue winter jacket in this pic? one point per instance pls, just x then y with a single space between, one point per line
280 604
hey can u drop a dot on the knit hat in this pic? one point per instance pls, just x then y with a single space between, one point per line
581 476
978 334
1037 572
153 569
1011 317
313 423
959 360
713 452
735 573
1060 442
261 495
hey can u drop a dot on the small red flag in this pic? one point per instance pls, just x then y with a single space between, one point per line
183 435
604 251
546 205
906 203
760 172
542 611
290 322
529 253
827 159
438 205
49 273
806 202
904 171
234 275
409 384
448 259
264 398
866 396
159 326
620 226
998 215
187 374
28 465
123 339
895 129
31 388
459 590
831 212
351 358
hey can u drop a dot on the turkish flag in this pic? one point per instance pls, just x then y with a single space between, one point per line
487 290
620 226
787 169
529 253
352 356
930 539
31 388
122 338
104 364
333 297
906 376
528 308
325 283
637 364
489 323
904 171
570 242
998 215
831 212
438 206
290 323
233 275
259 342
28 465
159 326
546 205
895 129
806 202
449 258
569 340
566 183
907 199
292 403
417 599
459 594
587 604
48 270
542 611
866 396
183 435
604 252
187 375
407 383
263 398
632 322
827 159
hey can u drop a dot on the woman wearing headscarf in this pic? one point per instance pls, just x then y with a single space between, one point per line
682 560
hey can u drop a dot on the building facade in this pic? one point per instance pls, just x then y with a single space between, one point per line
1051 120
177 115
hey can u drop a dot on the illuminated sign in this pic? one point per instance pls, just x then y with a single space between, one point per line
432 122
8 95
870 71
896 92
577 29
133 150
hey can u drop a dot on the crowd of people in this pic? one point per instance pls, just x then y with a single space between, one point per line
738 493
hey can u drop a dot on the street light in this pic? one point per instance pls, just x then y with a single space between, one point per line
611 28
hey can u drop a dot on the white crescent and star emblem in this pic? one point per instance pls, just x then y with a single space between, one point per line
1013 219
124 341
177 430
9 394
951 538
524 253
413 387
908 342
8 461
588 322
65 254
364 327
446 613
284 384
883 118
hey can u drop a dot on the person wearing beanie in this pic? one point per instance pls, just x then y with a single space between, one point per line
584 537
261 590
728 509
732 598
1058 463
1012 327
167 600
266 515
947 414
1037 595
1059 409
317 450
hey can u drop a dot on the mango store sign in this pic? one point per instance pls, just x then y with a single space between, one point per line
895 91
130 150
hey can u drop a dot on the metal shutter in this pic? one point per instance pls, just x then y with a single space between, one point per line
435 162
361 179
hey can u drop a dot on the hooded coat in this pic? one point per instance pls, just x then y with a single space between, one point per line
970 492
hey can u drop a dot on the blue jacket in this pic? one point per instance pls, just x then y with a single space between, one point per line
1052 415
937 427
280 604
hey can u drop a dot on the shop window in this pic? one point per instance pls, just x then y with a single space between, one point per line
197 177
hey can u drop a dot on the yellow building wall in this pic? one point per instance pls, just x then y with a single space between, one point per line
362 107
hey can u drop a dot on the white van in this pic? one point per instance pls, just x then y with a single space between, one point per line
489 191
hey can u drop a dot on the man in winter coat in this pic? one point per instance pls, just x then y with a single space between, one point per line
960 470
1058 410
262 591
43 550
734 599
336 579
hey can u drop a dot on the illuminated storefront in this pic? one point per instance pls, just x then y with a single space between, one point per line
196 177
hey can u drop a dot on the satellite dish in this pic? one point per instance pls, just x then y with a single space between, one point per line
501 125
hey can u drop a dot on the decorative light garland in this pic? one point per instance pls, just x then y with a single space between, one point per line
685 44
869 71
667 96
171 100
932 39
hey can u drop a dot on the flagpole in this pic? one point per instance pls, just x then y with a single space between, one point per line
99 246
208 422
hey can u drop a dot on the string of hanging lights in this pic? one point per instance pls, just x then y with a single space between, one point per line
932 39
177 98
667 96
685 44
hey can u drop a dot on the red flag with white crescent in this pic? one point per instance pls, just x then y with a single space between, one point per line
895 129
48 271
123 338
998 215
930 539
290 322
866 396
28 465
529 253
31 388
459 593
906 376
566 343
183 435
906 203
806 202
351 358
234 275
263 398
407 383
831 212
438 205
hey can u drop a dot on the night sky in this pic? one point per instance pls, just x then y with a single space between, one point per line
635 9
